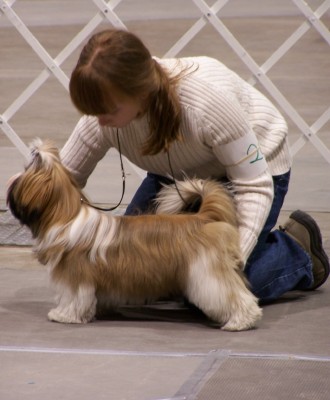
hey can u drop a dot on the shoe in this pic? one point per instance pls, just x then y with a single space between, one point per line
305 231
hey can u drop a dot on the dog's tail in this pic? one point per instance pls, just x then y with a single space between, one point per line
208 198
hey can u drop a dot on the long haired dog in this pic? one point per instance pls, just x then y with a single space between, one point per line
96 259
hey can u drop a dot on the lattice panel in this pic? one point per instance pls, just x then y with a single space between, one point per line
209 14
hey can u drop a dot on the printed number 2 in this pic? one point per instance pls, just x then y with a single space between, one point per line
254 149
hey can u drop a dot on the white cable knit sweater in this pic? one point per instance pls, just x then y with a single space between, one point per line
218 108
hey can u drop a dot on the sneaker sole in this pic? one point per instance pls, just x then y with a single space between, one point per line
316 241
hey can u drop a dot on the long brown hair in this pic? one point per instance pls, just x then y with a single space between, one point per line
118 60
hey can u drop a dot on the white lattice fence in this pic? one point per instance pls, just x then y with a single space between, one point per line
208 15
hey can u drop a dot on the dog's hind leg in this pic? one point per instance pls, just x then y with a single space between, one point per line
74 307
245 311
222 294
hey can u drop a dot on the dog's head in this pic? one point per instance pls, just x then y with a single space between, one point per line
45 193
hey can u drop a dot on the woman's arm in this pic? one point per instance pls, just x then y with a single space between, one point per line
236 146
253 200
84 149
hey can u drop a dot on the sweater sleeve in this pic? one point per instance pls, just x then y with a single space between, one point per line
252 182
84 149
253 200
237 149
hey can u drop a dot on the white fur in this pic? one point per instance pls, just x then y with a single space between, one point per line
170 202
229 303
48 158
85 224
88 227
74 308
103 238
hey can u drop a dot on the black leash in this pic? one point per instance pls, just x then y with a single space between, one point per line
174 180
123 180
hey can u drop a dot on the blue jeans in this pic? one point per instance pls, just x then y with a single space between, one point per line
276 265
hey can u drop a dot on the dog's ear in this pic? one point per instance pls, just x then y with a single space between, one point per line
25 214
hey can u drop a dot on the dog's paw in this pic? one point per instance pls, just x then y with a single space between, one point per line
235 326
243 321
56 315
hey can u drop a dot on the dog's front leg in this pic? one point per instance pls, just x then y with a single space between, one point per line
74 307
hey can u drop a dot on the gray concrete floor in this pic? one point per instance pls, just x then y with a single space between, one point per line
164 351
160 351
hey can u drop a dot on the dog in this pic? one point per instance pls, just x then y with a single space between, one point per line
97 260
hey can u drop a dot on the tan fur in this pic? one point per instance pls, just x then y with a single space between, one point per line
98 260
